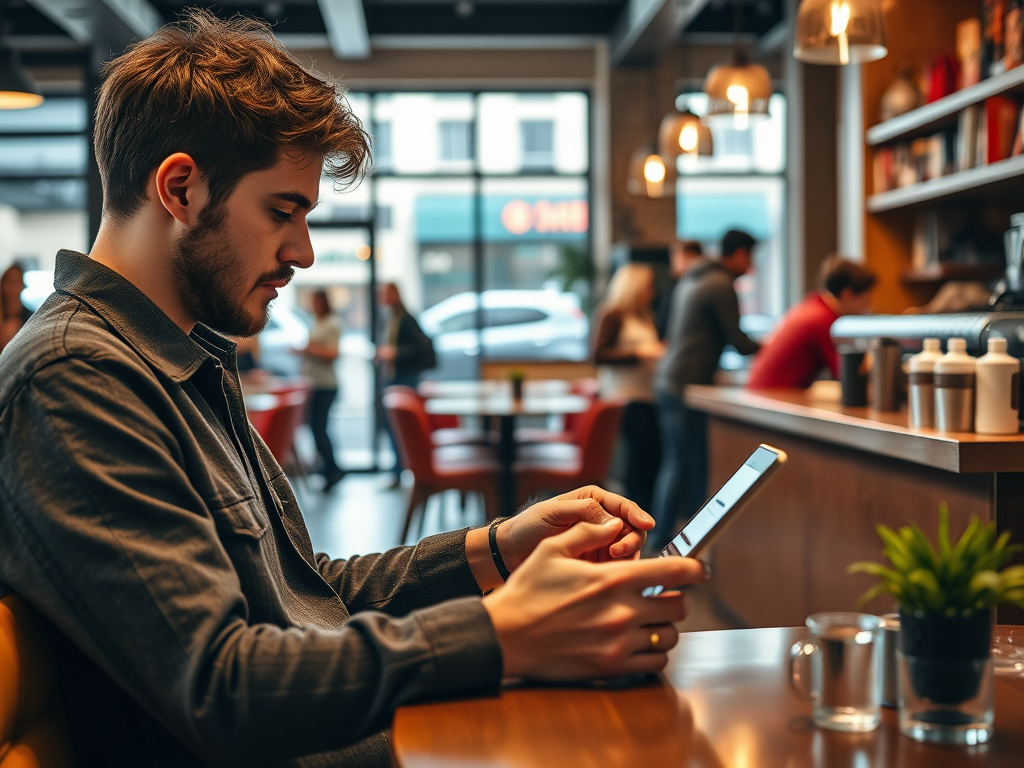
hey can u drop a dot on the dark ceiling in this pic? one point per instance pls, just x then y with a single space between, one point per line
44 42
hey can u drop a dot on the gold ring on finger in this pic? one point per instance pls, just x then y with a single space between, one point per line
654 641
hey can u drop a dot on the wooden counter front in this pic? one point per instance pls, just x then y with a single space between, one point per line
848 471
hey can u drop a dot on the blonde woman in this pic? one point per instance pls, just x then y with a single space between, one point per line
626 350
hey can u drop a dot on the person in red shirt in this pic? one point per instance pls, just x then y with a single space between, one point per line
801 347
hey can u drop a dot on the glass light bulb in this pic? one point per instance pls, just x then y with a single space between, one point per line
840 18
739 96
654 169
19 100
689 137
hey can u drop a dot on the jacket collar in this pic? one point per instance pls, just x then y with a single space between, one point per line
140 322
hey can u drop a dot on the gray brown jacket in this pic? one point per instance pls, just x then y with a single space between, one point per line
141 514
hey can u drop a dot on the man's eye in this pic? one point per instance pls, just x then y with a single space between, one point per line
282 215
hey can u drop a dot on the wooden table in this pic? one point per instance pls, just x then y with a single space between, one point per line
498 402
723 703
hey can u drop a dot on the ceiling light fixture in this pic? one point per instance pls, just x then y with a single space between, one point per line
17 91
839 32
739 90
682 133
650 175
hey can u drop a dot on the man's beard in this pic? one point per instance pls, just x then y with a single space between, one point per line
210 277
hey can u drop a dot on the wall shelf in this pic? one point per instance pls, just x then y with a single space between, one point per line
940 273
984 181
931 117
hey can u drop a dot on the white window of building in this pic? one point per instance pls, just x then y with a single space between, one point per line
455 140
538 144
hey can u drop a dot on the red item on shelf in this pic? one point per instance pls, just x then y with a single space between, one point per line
1001 116
943 77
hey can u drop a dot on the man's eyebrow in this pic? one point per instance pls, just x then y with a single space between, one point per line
298 198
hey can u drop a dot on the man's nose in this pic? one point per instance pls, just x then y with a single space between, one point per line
298 252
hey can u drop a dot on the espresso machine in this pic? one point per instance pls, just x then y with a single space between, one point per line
1003 318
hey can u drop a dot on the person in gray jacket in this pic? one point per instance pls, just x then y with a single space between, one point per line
704 317
144 518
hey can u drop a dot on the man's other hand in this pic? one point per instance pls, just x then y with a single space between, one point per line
518 537
563 618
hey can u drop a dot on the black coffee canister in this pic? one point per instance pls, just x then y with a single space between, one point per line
853 378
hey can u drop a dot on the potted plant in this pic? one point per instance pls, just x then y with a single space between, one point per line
946 595
517 377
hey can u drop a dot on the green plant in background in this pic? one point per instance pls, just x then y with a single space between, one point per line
576 273
517 375
956 579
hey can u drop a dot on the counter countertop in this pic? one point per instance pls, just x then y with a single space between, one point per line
883 434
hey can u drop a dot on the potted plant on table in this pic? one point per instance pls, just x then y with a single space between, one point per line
517 377
946 596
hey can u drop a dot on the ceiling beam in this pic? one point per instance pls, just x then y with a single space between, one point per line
647 28
346 28
111 24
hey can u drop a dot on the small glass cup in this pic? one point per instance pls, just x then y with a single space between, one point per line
844 656
943 701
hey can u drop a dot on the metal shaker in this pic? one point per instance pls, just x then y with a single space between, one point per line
954 388
886 370
890 675
922 385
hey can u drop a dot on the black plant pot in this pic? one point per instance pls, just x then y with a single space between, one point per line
957 641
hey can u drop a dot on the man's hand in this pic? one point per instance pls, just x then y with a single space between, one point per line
518 537
385 354
562 618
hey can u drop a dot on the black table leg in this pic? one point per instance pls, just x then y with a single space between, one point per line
507 457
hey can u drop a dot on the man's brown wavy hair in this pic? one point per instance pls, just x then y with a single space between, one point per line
227 94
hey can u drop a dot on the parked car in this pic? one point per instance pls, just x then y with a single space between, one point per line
517 325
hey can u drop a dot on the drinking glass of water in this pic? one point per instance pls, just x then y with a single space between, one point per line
839 670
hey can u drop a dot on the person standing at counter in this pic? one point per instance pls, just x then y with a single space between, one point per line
318 360
704 318
801 347
683 254
13 314
143 517
626 350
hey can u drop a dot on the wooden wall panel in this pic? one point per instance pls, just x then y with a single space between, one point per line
786 556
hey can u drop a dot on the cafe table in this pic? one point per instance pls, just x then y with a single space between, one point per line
722 702
495 400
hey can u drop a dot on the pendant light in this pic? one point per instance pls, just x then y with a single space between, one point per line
650 174
739 90
682 133
839 32
17 91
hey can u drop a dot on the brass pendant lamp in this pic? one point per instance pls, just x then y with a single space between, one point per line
839 32
17 91
682 133
650 174
739 90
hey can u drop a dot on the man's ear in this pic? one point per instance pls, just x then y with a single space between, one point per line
180 189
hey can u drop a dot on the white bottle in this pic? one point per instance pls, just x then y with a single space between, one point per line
997 403
954 388
921 368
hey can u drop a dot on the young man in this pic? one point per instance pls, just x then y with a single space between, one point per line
801 346
144 518
704 318
682 255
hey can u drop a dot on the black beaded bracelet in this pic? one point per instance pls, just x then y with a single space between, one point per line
492 539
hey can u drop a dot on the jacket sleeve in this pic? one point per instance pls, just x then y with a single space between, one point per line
403 579
726 308
101 530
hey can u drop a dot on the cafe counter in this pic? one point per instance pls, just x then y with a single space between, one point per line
849 470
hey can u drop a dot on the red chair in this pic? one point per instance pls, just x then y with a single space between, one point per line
571 421
279 427
599 431
445 429
461 468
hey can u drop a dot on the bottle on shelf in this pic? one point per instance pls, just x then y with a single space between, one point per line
922 384
997 406
954 388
